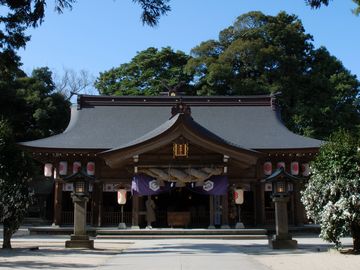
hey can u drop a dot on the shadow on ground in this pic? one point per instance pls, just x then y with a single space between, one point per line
223 248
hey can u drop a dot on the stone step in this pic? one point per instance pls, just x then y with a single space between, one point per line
165 231
182 236
181 233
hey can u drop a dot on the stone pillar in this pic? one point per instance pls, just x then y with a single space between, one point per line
79 239
57 202
135 212
80 204
225 212
282 239
211 210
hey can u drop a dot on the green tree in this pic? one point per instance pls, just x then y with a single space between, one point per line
268 54
32 107
150 72
15 173
319 3
332 195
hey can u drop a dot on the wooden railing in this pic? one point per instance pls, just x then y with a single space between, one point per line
114 218
67 217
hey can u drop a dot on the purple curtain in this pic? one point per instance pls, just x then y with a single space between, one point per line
143 184
215 185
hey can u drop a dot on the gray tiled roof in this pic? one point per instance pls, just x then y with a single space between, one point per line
107 127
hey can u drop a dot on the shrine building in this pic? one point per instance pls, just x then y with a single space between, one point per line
189 153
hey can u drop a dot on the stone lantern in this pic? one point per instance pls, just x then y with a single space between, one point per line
282 183
80 196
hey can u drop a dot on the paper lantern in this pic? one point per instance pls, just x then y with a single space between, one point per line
295 168
48 169
239 196
121 195
305 168
280 165
90 168
76 166
267 168
63 167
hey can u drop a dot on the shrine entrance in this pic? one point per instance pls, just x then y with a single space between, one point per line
182 208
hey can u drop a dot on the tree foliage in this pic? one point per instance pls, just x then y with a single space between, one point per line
332 195
31 105
319 3
150 72
268 54
15 173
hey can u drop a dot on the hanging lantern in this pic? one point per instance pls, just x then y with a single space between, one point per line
121 195
295 168
267 168
239 196
90 168
48 167
280 165
63 167
305 168
76 166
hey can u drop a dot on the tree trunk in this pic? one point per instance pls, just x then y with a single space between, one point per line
355 231
7 235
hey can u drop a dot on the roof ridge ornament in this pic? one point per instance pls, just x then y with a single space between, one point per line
180 107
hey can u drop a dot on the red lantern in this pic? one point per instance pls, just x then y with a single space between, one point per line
267 168
280 165
305 168
48 169
295 168
76 166
90 168
63 166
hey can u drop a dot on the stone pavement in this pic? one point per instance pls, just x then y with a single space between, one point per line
185 254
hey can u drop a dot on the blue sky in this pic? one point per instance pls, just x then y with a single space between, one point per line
98 35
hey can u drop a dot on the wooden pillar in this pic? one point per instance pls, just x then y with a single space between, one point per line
211 210
96 204
57 202
260 204
299 211
225 212
135 212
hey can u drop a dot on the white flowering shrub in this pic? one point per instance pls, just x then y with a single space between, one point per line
332 195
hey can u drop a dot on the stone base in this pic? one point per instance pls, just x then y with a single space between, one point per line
282 243
79 241
225 227
134 227
211 227
122 226
239 225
